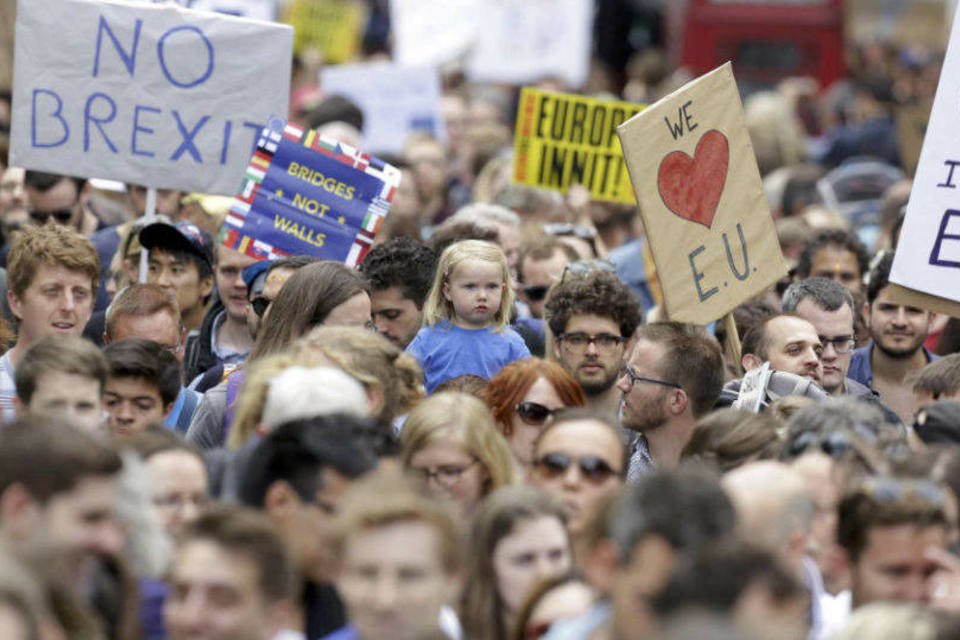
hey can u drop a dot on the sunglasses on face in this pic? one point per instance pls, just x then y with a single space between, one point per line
259 305
536 293
555 465
533 413
62 216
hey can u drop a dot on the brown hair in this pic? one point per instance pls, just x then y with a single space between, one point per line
599 293
387 497
728 438
497 517
939 377
50 458
512 383
139 301
52 244
371 359
248 533
65 354
692 360
304 301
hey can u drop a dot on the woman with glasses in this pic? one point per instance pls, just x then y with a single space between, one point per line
523 398
450 442
518 540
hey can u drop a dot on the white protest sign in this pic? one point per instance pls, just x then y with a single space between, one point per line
433 32
396 101
928 254
255 9
523 41
153 94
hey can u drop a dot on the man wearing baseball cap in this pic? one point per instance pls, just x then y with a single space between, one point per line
181 261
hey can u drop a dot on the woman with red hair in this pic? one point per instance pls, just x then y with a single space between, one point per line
523 398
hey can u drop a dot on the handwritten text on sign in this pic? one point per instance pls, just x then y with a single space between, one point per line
156 95
562 139
928 254
699 190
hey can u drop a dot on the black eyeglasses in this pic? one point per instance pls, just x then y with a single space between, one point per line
633 379
536 293
446 475
555 465
259 305
579 341
841 344
62 216
534 413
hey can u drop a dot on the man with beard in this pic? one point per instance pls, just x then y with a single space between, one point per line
592 318
895 350
672 378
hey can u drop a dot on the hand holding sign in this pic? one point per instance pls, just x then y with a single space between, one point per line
701 199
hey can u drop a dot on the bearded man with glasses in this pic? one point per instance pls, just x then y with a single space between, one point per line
592 316
672 378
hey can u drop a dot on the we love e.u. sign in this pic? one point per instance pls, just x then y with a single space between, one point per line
695 176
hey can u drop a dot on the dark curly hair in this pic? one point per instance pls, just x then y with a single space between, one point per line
879 276
598 293
832 238
401 262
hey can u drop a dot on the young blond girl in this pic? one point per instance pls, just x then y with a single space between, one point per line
465 316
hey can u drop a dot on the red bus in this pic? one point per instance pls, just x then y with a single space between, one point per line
767 40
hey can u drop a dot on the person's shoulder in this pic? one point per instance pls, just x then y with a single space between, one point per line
346 633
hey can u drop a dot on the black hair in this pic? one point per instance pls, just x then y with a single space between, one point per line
830 238
879 276
401 262
296 452
147 360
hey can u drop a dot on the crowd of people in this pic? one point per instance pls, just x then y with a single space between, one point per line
490 429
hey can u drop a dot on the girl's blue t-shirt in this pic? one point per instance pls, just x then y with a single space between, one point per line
446 351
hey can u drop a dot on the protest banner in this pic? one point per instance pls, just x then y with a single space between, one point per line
525 41
433 32
396 101
254 9
928 253
304 193
334 27
695 175
152 94
563 139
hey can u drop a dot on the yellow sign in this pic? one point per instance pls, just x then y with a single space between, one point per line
564 139
334 27
698 186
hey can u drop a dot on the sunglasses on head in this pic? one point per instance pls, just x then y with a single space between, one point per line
533 413
594 469
62 216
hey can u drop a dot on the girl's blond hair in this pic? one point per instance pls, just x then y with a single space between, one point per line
437 308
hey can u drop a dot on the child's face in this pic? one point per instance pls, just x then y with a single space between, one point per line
474 288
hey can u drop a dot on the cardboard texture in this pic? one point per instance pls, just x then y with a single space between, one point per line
928 253
696 179
145 93
911 298
563 139
912 122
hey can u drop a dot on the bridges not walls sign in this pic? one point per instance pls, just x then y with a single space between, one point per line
152 94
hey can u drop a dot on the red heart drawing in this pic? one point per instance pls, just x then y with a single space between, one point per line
691 187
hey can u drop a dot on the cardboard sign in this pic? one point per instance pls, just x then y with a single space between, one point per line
334 27
433 32
307 194
255 9
928 254
695 175
563 139
396 101
524 41
152 94
910 298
